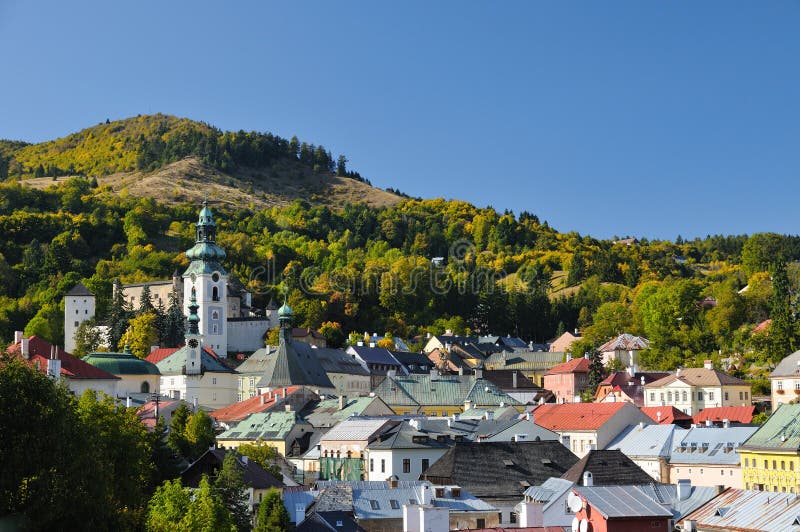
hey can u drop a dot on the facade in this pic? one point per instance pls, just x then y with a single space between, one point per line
707 456
626 386
404 452
276 429
251 370
649 446
295 397
694 389
569 380
785 381
624 348
343 448
546 505
79 306
563 343
619 509
136 375
770 458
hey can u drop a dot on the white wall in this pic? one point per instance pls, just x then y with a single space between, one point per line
204 285
246 335
77 309
78 386
394 462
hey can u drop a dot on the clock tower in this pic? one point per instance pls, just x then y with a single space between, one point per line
207 280
194 340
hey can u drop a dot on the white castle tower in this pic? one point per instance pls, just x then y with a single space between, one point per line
206 276
79 304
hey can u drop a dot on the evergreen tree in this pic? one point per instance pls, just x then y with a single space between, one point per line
782 329
167 464
207 512
596 371
341 166
272 515
177 431
118 314
146 302
175 322
232 489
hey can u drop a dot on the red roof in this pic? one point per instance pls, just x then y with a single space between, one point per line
669 414
147 412
576 365
576 416
72 367
734 414
157 355
239 411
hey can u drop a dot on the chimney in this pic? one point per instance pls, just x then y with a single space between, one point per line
467 405
708 364
299 513
461 370
128 401
642 380
287 407
658 416
587 478
342 402
17 337
54 364
684 489
478 373
709 423
372 344
245 459
153 348
569 356
285 393
489 415
514 379
428 336
425 495
393 481
576 332
641 425
24 347
359 344
448 346
726 423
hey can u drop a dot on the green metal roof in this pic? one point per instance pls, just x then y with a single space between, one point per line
781 432
175 364
269 426
442 390
121 364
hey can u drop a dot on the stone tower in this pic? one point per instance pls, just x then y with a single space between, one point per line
79 305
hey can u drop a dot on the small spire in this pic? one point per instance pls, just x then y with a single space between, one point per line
193 319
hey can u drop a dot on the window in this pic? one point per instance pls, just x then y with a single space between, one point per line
684 394
783 465
791 466
374 504
215 315
513 517
669 397
145 387
216 331
213 380
699 396
746 462
746 394
76 311
439 492
766 464
726 396
740 396
662 396
797 385
774 464
480 522
455 492
652 396
710 396
371 465
383 465
406 465
425 463
215 294
76 324
395 504
252 382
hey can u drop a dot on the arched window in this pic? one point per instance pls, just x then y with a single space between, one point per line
215 315
215 293
145 387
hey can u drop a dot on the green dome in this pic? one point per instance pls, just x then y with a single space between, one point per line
207 251
285 311
121 364
205 217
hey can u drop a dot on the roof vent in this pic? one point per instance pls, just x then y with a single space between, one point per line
721 511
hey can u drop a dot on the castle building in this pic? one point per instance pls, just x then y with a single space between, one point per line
79 305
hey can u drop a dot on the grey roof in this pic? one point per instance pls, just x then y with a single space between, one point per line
420 362
405 436
375 355
549 492
621 502
608 468
525 360
423 389
357 429
710 445
332 360
257 362
327 413
269 426
293 497
646 441
292 364
766 511
79 290
501 470
788 367
175 364
780 433
667 495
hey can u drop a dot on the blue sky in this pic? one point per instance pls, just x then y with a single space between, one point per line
650 119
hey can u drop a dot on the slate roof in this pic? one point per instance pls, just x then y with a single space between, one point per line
293 364
734 414
576 365
327 413
79 290
444 390
297 495
257 362
268 426
608 468
737 509
504 379
242 409
621 502
421 363
500 470
549 491
211 461
175 363
404 436
781 431
788 367
625 342
710 445
336 521
332 360
375 355
72 367
699 377
667 415
576 416
532 360
648 441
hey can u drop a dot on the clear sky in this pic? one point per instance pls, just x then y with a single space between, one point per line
649 119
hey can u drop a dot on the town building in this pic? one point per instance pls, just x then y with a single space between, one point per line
650 447
569 380
746 511
404 451
618 509
275 428
343 448
79 306
625 349
785 381
563 343
694 389
626 386
533 364
606 468
668 415
137 376
707 456
770 458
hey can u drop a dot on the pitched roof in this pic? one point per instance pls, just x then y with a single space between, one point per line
576 365
653 441
549 491
710 445
734 414
625 342
405 436
500 470
256 363
445 390
327 413
242 409
631 385
72 367
298 332
420 361
268 426
699 377
667 495
531 360
621 502
334 360
504 379
79 290
788 367
576 416
175 363
293 364
374 355
121 363
780 432
666 415
211 461
737 509
608 468
356 429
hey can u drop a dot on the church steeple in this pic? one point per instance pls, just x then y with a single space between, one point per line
193 320
205 248
285 315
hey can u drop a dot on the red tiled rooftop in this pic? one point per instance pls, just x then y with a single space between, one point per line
71 366
734 414
576 416
576 365
669 414
239 411
157 355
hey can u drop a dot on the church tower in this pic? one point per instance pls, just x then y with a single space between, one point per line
194 340
206 280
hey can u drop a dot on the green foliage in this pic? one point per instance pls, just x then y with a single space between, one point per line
264 455
173 508
272 515
140 335
232 490
199 433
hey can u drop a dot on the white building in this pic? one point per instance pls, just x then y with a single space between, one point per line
79 306
693 389
785 381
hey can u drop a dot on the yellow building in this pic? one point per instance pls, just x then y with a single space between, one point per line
276 429
770 458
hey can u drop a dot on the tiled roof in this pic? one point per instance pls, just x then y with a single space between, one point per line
699 377
631 385
79 290
500 470
710 445
576 365
788 367
781 431
259 403
625 342
72 367
375 355
734 414
737 509
666 415
444 390
648 441
175 363
268 426
334 360
298 332
621 502
608 468
576 416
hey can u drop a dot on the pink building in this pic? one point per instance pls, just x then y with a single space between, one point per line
568 380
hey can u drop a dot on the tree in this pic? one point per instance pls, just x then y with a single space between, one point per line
175 323
168 464
332 331
596 371
118 314
177 431
264 455
199 433
387 342
140 335
208 513
782 330
272 515
146 303
168 506
89 338
232 489
273 336
341 166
